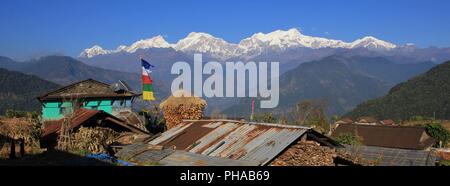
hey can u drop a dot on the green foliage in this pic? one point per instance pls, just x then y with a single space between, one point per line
349 139
422 98
438 132
311 113
421 118
319 123
155 121
334 118
10 113
265 118
444 163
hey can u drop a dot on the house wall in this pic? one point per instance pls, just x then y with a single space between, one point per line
104 105
55 110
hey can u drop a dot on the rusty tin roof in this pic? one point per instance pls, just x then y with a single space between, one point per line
238 140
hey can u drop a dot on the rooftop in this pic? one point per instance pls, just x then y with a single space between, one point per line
86 89
238 140
403 137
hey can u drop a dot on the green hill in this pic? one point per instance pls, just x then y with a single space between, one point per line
425 95
19 91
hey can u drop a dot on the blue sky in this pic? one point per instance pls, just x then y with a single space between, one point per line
32 28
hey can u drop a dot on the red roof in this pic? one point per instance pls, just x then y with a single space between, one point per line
79 117
82 115
387 122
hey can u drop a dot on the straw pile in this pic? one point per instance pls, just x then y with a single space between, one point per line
181 105
18 128
94 140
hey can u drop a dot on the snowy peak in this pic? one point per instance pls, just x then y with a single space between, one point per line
154 42
291 34
281 40
206 43
93 51
121 48
371 42
293 38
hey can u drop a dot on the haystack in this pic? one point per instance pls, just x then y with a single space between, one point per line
17 129
20 128
182 105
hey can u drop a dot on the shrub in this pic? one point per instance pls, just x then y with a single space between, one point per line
265 118
10 113
349 139
438 132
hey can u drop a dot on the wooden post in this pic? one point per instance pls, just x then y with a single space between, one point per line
12 153
22 147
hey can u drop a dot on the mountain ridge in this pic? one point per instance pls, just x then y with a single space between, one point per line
250 46
64 70
344 82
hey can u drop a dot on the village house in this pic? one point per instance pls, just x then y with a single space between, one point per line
89 94
392 145
345 120
387 122
89 103
366 120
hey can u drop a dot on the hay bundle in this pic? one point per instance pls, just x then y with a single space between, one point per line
19 128
181 105
95 140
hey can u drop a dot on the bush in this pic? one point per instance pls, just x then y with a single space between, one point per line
349 139
444 163
265 118
438 132
10 113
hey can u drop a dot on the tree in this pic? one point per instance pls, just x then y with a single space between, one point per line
438 132
265 118
334 118
311 113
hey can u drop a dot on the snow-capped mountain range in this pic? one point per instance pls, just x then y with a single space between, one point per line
278 40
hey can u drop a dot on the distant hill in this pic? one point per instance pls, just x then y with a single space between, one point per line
64 70
343 82
19 91
425 95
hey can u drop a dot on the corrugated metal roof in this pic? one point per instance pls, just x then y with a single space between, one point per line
144 154
238 140
183 158
393 157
